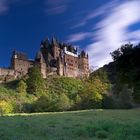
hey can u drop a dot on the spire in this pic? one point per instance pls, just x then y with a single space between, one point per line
54 41
45 43
83 54
87 55
14 52
39 57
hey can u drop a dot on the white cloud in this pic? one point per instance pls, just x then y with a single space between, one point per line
3 6
6 4
95 13
79 36
134 36
55 7
113 31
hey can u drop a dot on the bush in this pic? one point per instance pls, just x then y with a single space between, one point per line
63 103
90 96
21 87
5 107
52 103
35 82
42 104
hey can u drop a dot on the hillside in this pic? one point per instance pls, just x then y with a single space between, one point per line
123 73
115 85
55 94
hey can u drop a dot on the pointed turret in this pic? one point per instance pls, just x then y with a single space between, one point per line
54 41
45 43
39 57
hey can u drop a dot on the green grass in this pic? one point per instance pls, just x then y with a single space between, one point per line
80 125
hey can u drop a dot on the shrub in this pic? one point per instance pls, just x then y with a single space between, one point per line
91 98
5 107
42 104
63 102
21 87
35 82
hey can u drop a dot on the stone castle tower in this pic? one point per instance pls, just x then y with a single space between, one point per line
62 59
52 58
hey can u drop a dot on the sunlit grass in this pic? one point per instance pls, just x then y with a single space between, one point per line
73 125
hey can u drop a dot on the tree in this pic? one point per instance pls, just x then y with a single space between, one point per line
63 102
42 104
125 97
123 51
21 87
90 96
35 82
108 102
127 65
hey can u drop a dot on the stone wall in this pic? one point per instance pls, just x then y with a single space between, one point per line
5 72
22 66
7 75
83 66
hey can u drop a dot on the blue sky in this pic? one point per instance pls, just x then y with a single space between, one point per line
97 26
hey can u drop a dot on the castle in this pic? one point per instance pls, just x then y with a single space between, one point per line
52 58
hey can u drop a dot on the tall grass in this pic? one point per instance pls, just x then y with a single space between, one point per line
80 125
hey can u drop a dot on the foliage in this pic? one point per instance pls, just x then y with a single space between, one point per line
42 104
125 97
64 88
21 87
125 69
108 102
127 65
5 107
35 82
90 97
105 88
100 81
63 102
59 94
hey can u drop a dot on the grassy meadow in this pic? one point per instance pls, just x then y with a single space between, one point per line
78 125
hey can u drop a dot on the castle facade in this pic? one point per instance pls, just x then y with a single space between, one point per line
52 58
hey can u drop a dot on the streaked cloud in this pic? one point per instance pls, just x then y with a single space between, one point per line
134 36
79 37
95 13
55 7
3 6
112 30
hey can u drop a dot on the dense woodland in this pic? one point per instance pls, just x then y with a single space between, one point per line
116 85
